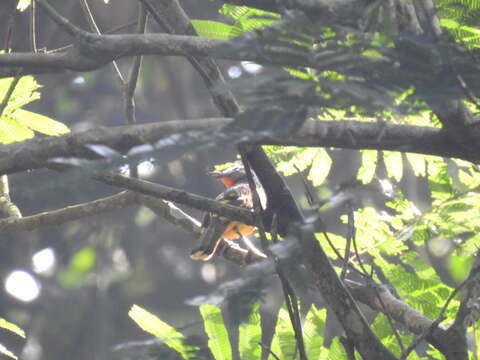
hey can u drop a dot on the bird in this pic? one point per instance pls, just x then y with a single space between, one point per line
217 230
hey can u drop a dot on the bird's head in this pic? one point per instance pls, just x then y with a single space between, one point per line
230 175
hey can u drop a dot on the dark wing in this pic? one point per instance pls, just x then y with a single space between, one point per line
214 226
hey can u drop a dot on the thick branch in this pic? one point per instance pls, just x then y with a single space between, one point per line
37 153
94 51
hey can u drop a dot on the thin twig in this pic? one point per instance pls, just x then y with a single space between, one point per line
94 27
179 23
33 26
289 294
354 241
131 84
111 31
9 93
350 234
269 351
60 20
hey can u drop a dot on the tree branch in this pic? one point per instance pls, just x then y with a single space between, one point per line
173 18
38 153
95 51
171 213
380 299
69 213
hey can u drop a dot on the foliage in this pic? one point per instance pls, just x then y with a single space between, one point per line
250 334
17 124
422 254
4 324
153 325
243 18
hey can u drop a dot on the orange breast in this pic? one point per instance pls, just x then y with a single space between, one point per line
234 228
228 182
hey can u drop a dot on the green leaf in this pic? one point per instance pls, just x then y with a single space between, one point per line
336 351
418 164
320 167
84 260
5 351
218 340
12 130
394 164
153 325
241 13
17 124
40 123
313 331
283 342
23 94
248 19
250 336
460 267
213 29
367 169
12 327
23 4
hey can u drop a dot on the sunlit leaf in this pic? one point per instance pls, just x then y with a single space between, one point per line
394 164
40 123
218 340
460 267
418 164
283 342
320 169
313 331
12 130
213 29
12 327
84 260
6 352
250 336
153 325
367 169
23 4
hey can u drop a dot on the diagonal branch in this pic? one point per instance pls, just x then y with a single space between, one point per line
177 196
173 18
